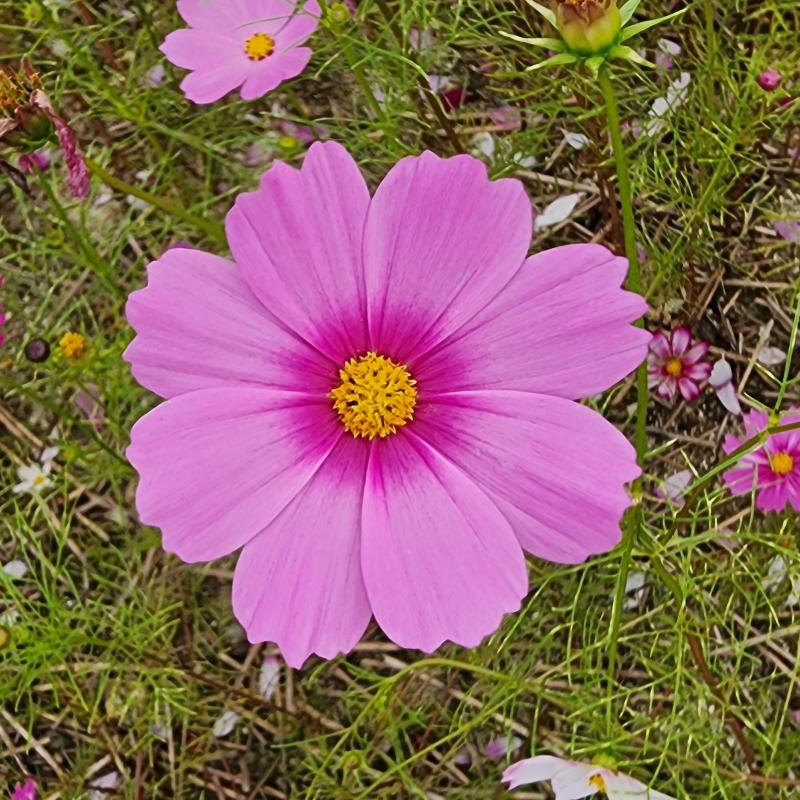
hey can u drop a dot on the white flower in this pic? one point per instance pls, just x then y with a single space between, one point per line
572 781
108 781
483 145
16 569
670 47
576 140
225 724
664 106
721 378
557 211
34 479
269 677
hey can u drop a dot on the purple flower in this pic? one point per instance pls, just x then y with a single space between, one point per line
26 791
788 229
674 365
254 44
27 161
375 385
663 60
769 80
774 469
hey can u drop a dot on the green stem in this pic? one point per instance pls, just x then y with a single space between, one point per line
355 68
211 228
711 44
634 284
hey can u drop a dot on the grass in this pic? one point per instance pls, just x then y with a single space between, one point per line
122 657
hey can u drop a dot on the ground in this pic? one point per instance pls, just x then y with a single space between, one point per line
122 658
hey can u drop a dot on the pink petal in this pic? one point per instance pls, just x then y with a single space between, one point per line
214 82
659 345
573 783
560 327
214 15
755 422
440 561
697 372
689 390
774 496
299 582
200 326
297 241
26 791
727 396
218 465
668 387
299 27
273 71
679 340
739 481
555 469
695 353
203 49
440 242
623 787
730 443
534 770
793 487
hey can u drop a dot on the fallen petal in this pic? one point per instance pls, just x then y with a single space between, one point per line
557 211
225 724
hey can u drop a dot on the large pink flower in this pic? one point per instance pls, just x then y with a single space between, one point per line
774 470
254 44
418 311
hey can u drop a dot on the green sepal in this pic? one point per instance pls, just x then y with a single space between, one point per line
551 44
554 61
629 54
594 63
545 12
632 30
626 12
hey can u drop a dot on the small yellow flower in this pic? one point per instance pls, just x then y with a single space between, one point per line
72 345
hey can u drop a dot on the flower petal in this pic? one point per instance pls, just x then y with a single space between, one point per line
557 211
697 372
269 75
298 239
200 326
573 783
214 82
299 582
680 339
533 770
727 396
555 469
218 465
440 561
695 353
659 345
560 327
774 496
189 48
689 390
440 242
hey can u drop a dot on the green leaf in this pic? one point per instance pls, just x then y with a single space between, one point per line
626 12
594 63
561 58
632 30
629 54
550 44
545 12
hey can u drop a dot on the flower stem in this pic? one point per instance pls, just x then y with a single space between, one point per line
634 284
211 228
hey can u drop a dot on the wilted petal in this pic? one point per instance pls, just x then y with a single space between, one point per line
576 140
788 229
668 46
16 569
727 396
770 356
501 747
557 211
225 724
720 374
269 676
98 786
673 487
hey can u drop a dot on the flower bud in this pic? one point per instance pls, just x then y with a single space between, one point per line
588 27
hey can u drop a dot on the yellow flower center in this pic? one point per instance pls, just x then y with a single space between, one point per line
259 46
72 345
674 367
781 463
375 396
597 782
38 480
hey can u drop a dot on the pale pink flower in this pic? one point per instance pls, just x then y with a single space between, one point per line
674 365
772 470
376 401
26 791
255 44
769 79
572 780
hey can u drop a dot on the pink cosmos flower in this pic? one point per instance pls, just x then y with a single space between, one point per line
773 470
26 791
674 365
254 44
572 780
376 402
769 79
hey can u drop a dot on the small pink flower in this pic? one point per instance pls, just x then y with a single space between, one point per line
774 469
674 365
572 780
376 402
769 80
27 161
302 134
27 791
788 229
254 44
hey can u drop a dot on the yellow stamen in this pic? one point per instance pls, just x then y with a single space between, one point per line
597 782
674 367
72 345
781 463
259 46
375 396
38 480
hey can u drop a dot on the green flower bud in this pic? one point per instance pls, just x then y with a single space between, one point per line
34 128
588 27
338 13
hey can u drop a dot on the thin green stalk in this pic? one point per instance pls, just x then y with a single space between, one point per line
634 284
355 67
211 228
789 353
711 44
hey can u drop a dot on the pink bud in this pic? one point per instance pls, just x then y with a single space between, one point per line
769 80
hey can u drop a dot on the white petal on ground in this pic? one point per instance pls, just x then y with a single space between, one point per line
720 374
673 487
523 161
634 585
664 106
96 786
483 145
557 211
794 598
225 724
269 677
159 729
502 746
776 572
668 46
576 140
770 356
721 378
16 569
